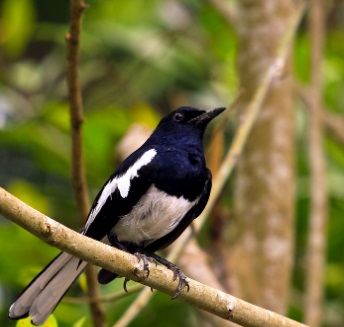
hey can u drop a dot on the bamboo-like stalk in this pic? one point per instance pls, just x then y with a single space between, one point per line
125 264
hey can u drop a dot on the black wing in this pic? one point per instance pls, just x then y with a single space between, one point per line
121 192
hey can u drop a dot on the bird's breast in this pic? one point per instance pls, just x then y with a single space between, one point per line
155 215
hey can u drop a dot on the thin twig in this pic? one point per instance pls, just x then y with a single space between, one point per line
333 122
76 109
78 168
104 298
125 264
230 159
318 210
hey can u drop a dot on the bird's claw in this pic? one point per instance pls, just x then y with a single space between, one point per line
126 280
182 281
145 259
177 273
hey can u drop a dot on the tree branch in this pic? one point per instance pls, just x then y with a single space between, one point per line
124 264
334 123
78 168
76 109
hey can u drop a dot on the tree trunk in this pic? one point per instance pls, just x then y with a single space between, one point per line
262 256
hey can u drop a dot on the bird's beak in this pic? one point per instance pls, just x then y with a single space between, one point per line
204 118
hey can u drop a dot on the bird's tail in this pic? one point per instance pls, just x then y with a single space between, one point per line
43 294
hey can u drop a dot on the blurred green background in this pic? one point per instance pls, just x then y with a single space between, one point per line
138 62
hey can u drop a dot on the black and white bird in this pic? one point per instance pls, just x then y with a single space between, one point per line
144 206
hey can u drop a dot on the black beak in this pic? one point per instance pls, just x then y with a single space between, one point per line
204 119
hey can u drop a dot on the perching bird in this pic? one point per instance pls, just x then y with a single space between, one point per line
143 207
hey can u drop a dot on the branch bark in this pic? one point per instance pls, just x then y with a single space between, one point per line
124 264
78 168
318 211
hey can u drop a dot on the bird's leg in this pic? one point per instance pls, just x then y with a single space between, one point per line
147 257
114 242
176 273
139 255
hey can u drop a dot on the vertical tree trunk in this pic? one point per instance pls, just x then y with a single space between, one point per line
261 260
318 209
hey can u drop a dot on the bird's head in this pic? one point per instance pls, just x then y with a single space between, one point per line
187 121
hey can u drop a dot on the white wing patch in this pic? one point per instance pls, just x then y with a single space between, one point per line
122 183
154 216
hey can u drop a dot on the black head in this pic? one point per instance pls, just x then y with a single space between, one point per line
189 116
186 122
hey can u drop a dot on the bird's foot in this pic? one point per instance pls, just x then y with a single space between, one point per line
145 259
177 273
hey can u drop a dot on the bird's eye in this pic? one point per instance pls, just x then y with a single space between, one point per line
178 116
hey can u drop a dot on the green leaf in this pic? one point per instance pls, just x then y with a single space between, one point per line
29 194
17 25
80 322
51 322
83 282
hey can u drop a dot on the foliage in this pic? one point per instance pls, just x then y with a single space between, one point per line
51 322
137 62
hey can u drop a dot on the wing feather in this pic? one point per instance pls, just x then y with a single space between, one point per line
121 192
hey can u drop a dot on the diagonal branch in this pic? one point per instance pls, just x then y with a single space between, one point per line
78 168
124 264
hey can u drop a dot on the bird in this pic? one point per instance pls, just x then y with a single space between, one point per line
143 207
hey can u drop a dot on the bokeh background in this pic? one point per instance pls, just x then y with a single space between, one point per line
139 61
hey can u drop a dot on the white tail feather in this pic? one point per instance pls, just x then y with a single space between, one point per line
40 298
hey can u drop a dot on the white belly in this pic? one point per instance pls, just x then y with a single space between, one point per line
155 215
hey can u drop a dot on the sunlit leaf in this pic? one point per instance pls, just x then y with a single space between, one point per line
51 322
18 19
334 276
83 282
80 322
29 194
145 114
